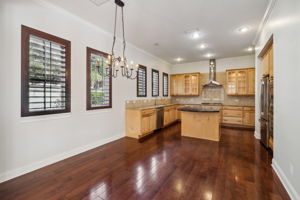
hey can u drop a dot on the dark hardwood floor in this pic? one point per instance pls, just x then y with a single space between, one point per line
164 166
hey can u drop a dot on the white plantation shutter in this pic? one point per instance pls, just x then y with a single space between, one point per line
155 83
142 81
47 75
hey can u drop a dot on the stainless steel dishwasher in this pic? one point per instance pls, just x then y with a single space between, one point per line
159 117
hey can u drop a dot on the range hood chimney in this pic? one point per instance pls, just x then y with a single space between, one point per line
212 75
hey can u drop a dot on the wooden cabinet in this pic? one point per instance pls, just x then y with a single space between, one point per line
185 84
251 81
170 115
236 115
140 122
240 81
267 63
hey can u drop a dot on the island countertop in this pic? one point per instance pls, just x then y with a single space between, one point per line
199 109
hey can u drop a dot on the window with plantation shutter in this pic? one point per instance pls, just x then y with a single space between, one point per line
155 83
45 73
165 84
142 81
99 86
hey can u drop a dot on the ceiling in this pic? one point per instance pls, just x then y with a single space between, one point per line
165 22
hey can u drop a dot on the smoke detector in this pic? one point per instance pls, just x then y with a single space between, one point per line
99 2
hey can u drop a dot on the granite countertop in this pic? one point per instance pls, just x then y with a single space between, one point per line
199 109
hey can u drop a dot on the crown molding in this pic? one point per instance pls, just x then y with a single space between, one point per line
264 20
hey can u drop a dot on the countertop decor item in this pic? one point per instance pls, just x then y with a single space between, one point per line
114 64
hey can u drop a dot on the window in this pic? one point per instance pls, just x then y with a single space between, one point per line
45 79
165 84
142 81
155 83
99 86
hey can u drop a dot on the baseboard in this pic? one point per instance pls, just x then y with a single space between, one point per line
285 182
37 165
256 135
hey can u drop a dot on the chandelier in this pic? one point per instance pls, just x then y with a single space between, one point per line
114 64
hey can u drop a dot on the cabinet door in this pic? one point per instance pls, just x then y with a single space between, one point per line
173 89
271 64
194 84
251 81
241 85
187 84
152 122
145 124
249 118
166 117
180 84
231 78
172 114
266 64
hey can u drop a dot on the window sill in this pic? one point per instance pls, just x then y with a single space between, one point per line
45 117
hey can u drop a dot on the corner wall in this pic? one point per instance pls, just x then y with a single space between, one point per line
284 23
33 142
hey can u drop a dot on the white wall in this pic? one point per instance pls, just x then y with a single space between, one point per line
32 142
284 24
222 65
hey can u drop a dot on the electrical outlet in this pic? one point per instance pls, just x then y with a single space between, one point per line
291 169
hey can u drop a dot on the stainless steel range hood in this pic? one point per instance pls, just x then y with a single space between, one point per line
212 75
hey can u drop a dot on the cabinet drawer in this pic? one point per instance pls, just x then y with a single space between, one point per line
148 112
232 120
232 108
232 113
249 108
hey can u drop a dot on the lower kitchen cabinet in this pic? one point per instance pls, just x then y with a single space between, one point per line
237 115
140 122
170 114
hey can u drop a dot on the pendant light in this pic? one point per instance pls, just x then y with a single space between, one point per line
116 64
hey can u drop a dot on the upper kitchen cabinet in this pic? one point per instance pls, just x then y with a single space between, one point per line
240 81
185 84
267 62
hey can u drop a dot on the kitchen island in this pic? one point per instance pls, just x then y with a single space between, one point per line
201 122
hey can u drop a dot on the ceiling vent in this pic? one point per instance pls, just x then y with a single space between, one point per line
99 2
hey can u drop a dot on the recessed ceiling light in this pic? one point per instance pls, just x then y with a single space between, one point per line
196 35
250 49
178 59
208 55
202 46
243 29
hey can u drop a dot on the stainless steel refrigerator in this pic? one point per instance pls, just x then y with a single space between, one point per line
266 111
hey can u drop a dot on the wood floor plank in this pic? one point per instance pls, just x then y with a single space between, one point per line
163 166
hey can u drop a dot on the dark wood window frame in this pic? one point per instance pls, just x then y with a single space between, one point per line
152 72
25 36
90 51
137 82
163 82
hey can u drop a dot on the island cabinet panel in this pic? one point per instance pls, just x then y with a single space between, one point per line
140 122
240 81
237 115
185 84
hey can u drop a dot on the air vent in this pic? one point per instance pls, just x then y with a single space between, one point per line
99 2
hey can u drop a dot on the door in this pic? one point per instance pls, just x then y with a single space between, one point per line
180 84
251 81
241 82
265 64
231 82
249 118
145 124
173 81
187 84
